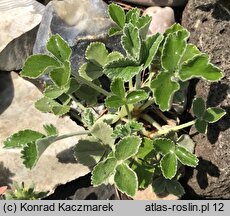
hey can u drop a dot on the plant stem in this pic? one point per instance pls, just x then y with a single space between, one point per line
176 128
151 121
128 112
72 134
138 81
77 102
147 104
81 80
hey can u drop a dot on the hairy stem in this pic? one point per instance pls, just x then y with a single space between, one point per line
147 104
72 134
81 80
128 112
151 121
176 128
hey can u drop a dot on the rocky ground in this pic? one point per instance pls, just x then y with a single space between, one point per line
26 26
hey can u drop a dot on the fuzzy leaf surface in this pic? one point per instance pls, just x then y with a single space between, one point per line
117 14
163 89
50 129
127 147
103 170
136 96
168 165
164 145
190 51
53 92
123 68
97 53
114 101
186 157
61 76
88 117
126 180
89 151
150 47
198 107
146 150
60 110
90 71
173 49
22 138
117 87
214 114
29 155
199 66
59 48
37 65
131 41
103 132
159 185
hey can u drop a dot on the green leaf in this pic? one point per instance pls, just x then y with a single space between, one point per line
186 142
131 41
114 101
132 15
88 117
102 171
136 96
146 150
29 155
89 151
168 165
88 94
45 104
129 128
90 71
103 132
109 118
214 114
117 14
60 110
117 87
190 51
143 24
97 53
198 107
114 31
126 180
163 88
163 145
123 68
186 157
127 147
37 65
173 50
61 76
159 185
59 48
50 129
201 126
175 188
114 56
175 28
151 46
22 138
72 87
53 92
199 66
144 173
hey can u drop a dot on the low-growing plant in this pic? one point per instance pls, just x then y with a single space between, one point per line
132 142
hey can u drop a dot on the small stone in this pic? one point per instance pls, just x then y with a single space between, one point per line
162 18
173 3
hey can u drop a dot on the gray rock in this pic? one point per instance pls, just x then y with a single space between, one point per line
18 30
79 23
57 165
174 3
209 24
